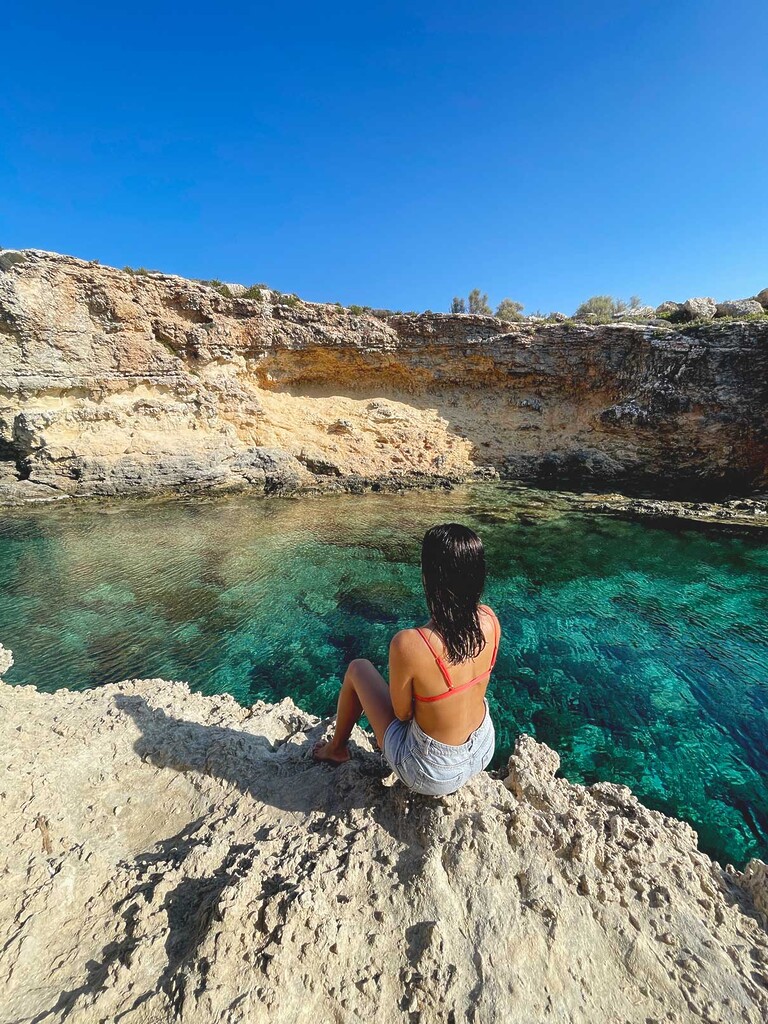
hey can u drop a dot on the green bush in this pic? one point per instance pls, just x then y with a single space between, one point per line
219 287
603 306
478 303
509 310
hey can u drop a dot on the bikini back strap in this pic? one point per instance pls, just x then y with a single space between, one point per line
495 639
453 689
438 659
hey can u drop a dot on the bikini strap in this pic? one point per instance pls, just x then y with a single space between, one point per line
495 638
492 613
438 659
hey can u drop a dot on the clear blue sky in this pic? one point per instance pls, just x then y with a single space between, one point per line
396 154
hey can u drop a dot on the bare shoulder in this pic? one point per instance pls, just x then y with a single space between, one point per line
492 616
404 640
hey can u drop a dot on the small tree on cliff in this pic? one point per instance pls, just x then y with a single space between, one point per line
509 310
458 305
603 306
478 303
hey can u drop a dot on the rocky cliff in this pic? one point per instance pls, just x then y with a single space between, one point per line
168 856
112 382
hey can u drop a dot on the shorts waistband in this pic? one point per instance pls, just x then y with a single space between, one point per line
425 741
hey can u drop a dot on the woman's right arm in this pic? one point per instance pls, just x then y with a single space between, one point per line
400 678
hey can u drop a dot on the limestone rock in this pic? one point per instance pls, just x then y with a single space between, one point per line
235 290
762 298
628 412
755 881
675 308
6 660
635 313
168 856
113 383
342 426
700 309
746 513
739 307
531 774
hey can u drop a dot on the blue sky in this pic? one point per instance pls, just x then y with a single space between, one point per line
396 154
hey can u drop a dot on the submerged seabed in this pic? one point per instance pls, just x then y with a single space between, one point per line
639 653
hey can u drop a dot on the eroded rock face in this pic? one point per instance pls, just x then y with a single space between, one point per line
169 856
112 383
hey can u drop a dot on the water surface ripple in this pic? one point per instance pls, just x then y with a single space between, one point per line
639 653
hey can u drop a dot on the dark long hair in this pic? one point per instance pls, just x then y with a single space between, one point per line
453 568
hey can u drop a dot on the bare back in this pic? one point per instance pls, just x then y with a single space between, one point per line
452 719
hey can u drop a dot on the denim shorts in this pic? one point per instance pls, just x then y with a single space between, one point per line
427 766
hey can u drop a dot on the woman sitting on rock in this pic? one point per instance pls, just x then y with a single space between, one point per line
432 722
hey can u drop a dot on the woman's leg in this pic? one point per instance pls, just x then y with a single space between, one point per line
364 691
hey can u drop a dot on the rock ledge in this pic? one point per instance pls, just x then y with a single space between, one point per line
180 857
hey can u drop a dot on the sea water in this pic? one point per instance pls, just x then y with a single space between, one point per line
639 653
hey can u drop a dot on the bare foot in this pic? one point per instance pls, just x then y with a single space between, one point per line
323 751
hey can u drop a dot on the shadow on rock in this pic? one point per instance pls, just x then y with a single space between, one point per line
279 771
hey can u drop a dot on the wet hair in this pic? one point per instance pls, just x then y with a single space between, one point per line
453 570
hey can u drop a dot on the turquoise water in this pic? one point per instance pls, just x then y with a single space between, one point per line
640 654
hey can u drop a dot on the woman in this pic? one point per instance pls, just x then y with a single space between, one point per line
432 722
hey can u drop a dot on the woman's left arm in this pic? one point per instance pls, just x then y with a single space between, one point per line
400 678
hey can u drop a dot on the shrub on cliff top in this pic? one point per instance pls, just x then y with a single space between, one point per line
220 287
509 310
478 303
601 306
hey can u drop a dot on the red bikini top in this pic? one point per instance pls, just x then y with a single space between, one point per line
446 676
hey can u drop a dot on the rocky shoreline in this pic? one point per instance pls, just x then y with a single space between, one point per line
113 383
737 515
175 856
743 514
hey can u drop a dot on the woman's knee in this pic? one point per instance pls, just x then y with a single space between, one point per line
357 667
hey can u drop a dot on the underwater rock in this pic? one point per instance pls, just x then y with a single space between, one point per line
172 856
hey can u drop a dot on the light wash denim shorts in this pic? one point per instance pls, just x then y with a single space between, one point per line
428 766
